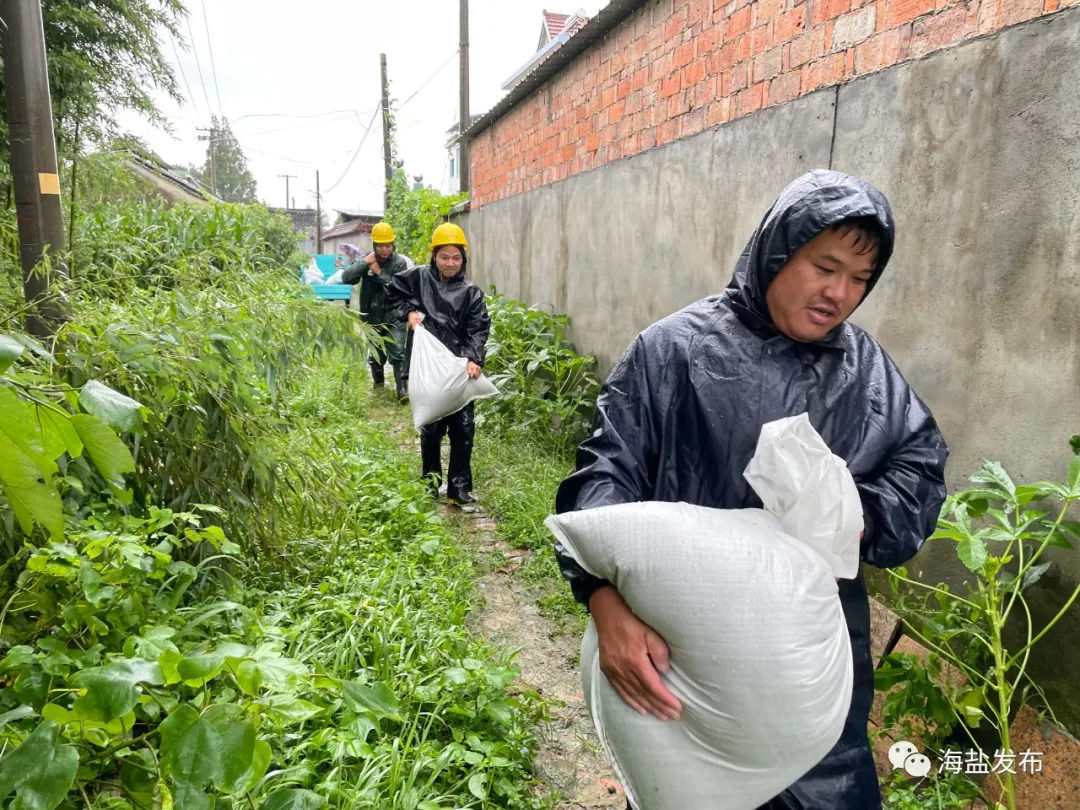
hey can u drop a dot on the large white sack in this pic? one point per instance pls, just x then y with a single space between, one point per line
760 654
438 382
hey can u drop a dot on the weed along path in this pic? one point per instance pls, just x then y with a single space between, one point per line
569 761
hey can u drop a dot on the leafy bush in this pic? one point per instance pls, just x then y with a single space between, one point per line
146 660
414 215
1001 532
547 390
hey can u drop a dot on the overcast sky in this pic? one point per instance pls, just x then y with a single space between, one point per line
299 84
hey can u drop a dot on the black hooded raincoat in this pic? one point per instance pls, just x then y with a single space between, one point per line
454 311
679 417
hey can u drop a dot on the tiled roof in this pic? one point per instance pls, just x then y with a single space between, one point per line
352 226
554 22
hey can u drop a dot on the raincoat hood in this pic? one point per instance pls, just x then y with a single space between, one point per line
818 200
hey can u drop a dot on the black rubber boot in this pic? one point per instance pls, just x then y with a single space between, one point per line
377 376
399 383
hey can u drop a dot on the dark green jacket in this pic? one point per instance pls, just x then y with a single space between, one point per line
373 307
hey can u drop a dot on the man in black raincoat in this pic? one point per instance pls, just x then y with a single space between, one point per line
679 417
453 309
374 273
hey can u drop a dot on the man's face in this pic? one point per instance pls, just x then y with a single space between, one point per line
384 249
448 260
821 284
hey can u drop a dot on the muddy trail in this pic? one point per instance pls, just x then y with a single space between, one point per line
569 760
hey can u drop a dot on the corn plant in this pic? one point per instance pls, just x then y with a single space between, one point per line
1001 532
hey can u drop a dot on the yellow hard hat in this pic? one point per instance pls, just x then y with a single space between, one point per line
448 234
382 233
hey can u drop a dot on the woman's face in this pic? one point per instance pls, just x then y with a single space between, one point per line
448 260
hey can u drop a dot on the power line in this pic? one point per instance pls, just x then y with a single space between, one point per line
191 96
303 115
430 79
213 67
297 126
195 53
357 152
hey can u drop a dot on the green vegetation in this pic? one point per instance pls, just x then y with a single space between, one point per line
223 587
1001 532
414 215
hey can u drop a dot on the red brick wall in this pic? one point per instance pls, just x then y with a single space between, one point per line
676 67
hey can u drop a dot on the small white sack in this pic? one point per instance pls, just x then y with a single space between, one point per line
312 274
335 278
760 654
438 383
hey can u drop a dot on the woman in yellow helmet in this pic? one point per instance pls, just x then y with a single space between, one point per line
374 272
454 311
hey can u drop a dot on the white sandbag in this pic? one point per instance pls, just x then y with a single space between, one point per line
438 382
335 277
759 649
312 273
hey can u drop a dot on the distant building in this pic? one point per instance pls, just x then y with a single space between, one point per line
304 221
555 31
353 227
452 184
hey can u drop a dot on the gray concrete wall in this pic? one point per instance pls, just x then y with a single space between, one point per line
977 147
622 246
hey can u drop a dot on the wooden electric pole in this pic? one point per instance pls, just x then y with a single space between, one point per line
463 85
286 176
318 215
33 165
387 169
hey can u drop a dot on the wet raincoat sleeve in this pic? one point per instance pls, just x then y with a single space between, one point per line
403 294
614 464
477 328
901 502
393 266
354 272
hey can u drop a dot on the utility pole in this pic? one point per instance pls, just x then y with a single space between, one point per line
463 85
318 215
385 130
33 165
286 176
212 138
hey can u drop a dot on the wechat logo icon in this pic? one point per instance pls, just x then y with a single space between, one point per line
905 755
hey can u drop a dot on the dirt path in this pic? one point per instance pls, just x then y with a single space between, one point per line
569 760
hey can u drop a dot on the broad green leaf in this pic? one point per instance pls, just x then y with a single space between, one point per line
293 799
376 698
217 746
188 797
151 644
112 690
10 349
992 472
26 474
18 713
137 777
169 661
429 805
455 676
195 669
430 547
286 710
259 763
32 686
498 711
1074 443
1034 574
478 786
274 673
110 455
39 771
58 435
111 407
1073 479
972 553
17 658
